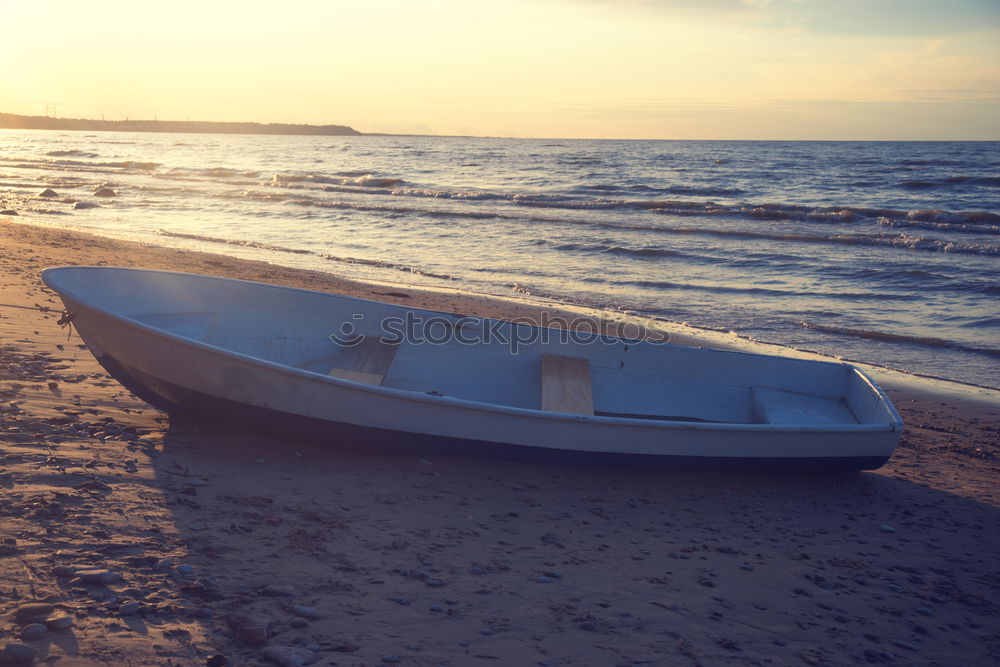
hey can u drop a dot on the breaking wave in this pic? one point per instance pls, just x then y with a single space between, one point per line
891 337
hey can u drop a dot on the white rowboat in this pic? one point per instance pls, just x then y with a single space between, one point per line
372 376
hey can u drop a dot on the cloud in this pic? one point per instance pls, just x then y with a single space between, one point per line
851 17
888 17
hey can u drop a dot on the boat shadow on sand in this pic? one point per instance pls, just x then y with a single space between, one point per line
328 551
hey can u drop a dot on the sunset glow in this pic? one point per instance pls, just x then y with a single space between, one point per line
723 69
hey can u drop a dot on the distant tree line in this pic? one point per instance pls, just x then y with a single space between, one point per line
16 122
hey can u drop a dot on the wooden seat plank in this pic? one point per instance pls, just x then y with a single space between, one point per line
366 360
566 385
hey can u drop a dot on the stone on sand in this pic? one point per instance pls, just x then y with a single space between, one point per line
288 656
249 629
98 576
33 610
279 591
17 654
34 631
305 612
60 622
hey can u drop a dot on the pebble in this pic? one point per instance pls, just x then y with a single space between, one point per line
17 654
85 204
544 580
249 629
98 576
63 571
288 656
34 631
926 611
886 528
61 622
305 612
434 583
299 622
279 591
129 609
163 564
33 610
184 569
105 192
48 192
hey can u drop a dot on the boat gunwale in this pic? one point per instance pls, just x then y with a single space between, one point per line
423 397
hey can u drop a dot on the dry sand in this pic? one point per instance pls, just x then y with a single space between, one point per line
165 542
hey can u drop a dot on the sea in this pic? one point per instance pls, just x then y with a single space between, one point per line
886 253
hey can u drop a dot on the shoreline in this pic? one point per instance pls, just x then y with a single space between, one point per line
211 540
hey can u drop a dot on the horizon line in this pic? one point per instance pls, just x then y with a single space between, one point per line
351 131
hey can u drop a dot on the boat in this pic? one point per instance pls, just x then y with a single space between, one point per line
373 376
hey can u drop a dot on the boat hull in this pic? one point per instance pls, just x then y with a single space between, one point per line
182 401
186 376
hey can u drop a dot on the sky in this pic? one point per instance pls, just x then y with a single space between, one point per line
617 69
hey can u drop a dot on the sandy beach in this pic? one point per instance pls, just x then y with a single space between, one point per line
130 538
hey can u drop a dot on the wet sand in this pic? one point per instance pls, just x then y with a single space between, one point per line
160 541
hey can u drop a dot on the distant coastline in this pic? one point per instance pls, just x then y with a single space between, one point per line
9 121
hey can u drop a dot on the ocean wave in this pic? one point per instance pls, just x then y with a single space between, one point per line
684 190
903 241
949 223
387 265
918 279
932 163
260 245
72 153
951 182
466 195
249 244
891 337
361 180
135 165
375 208
617 250
983 323
768 291
762 211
